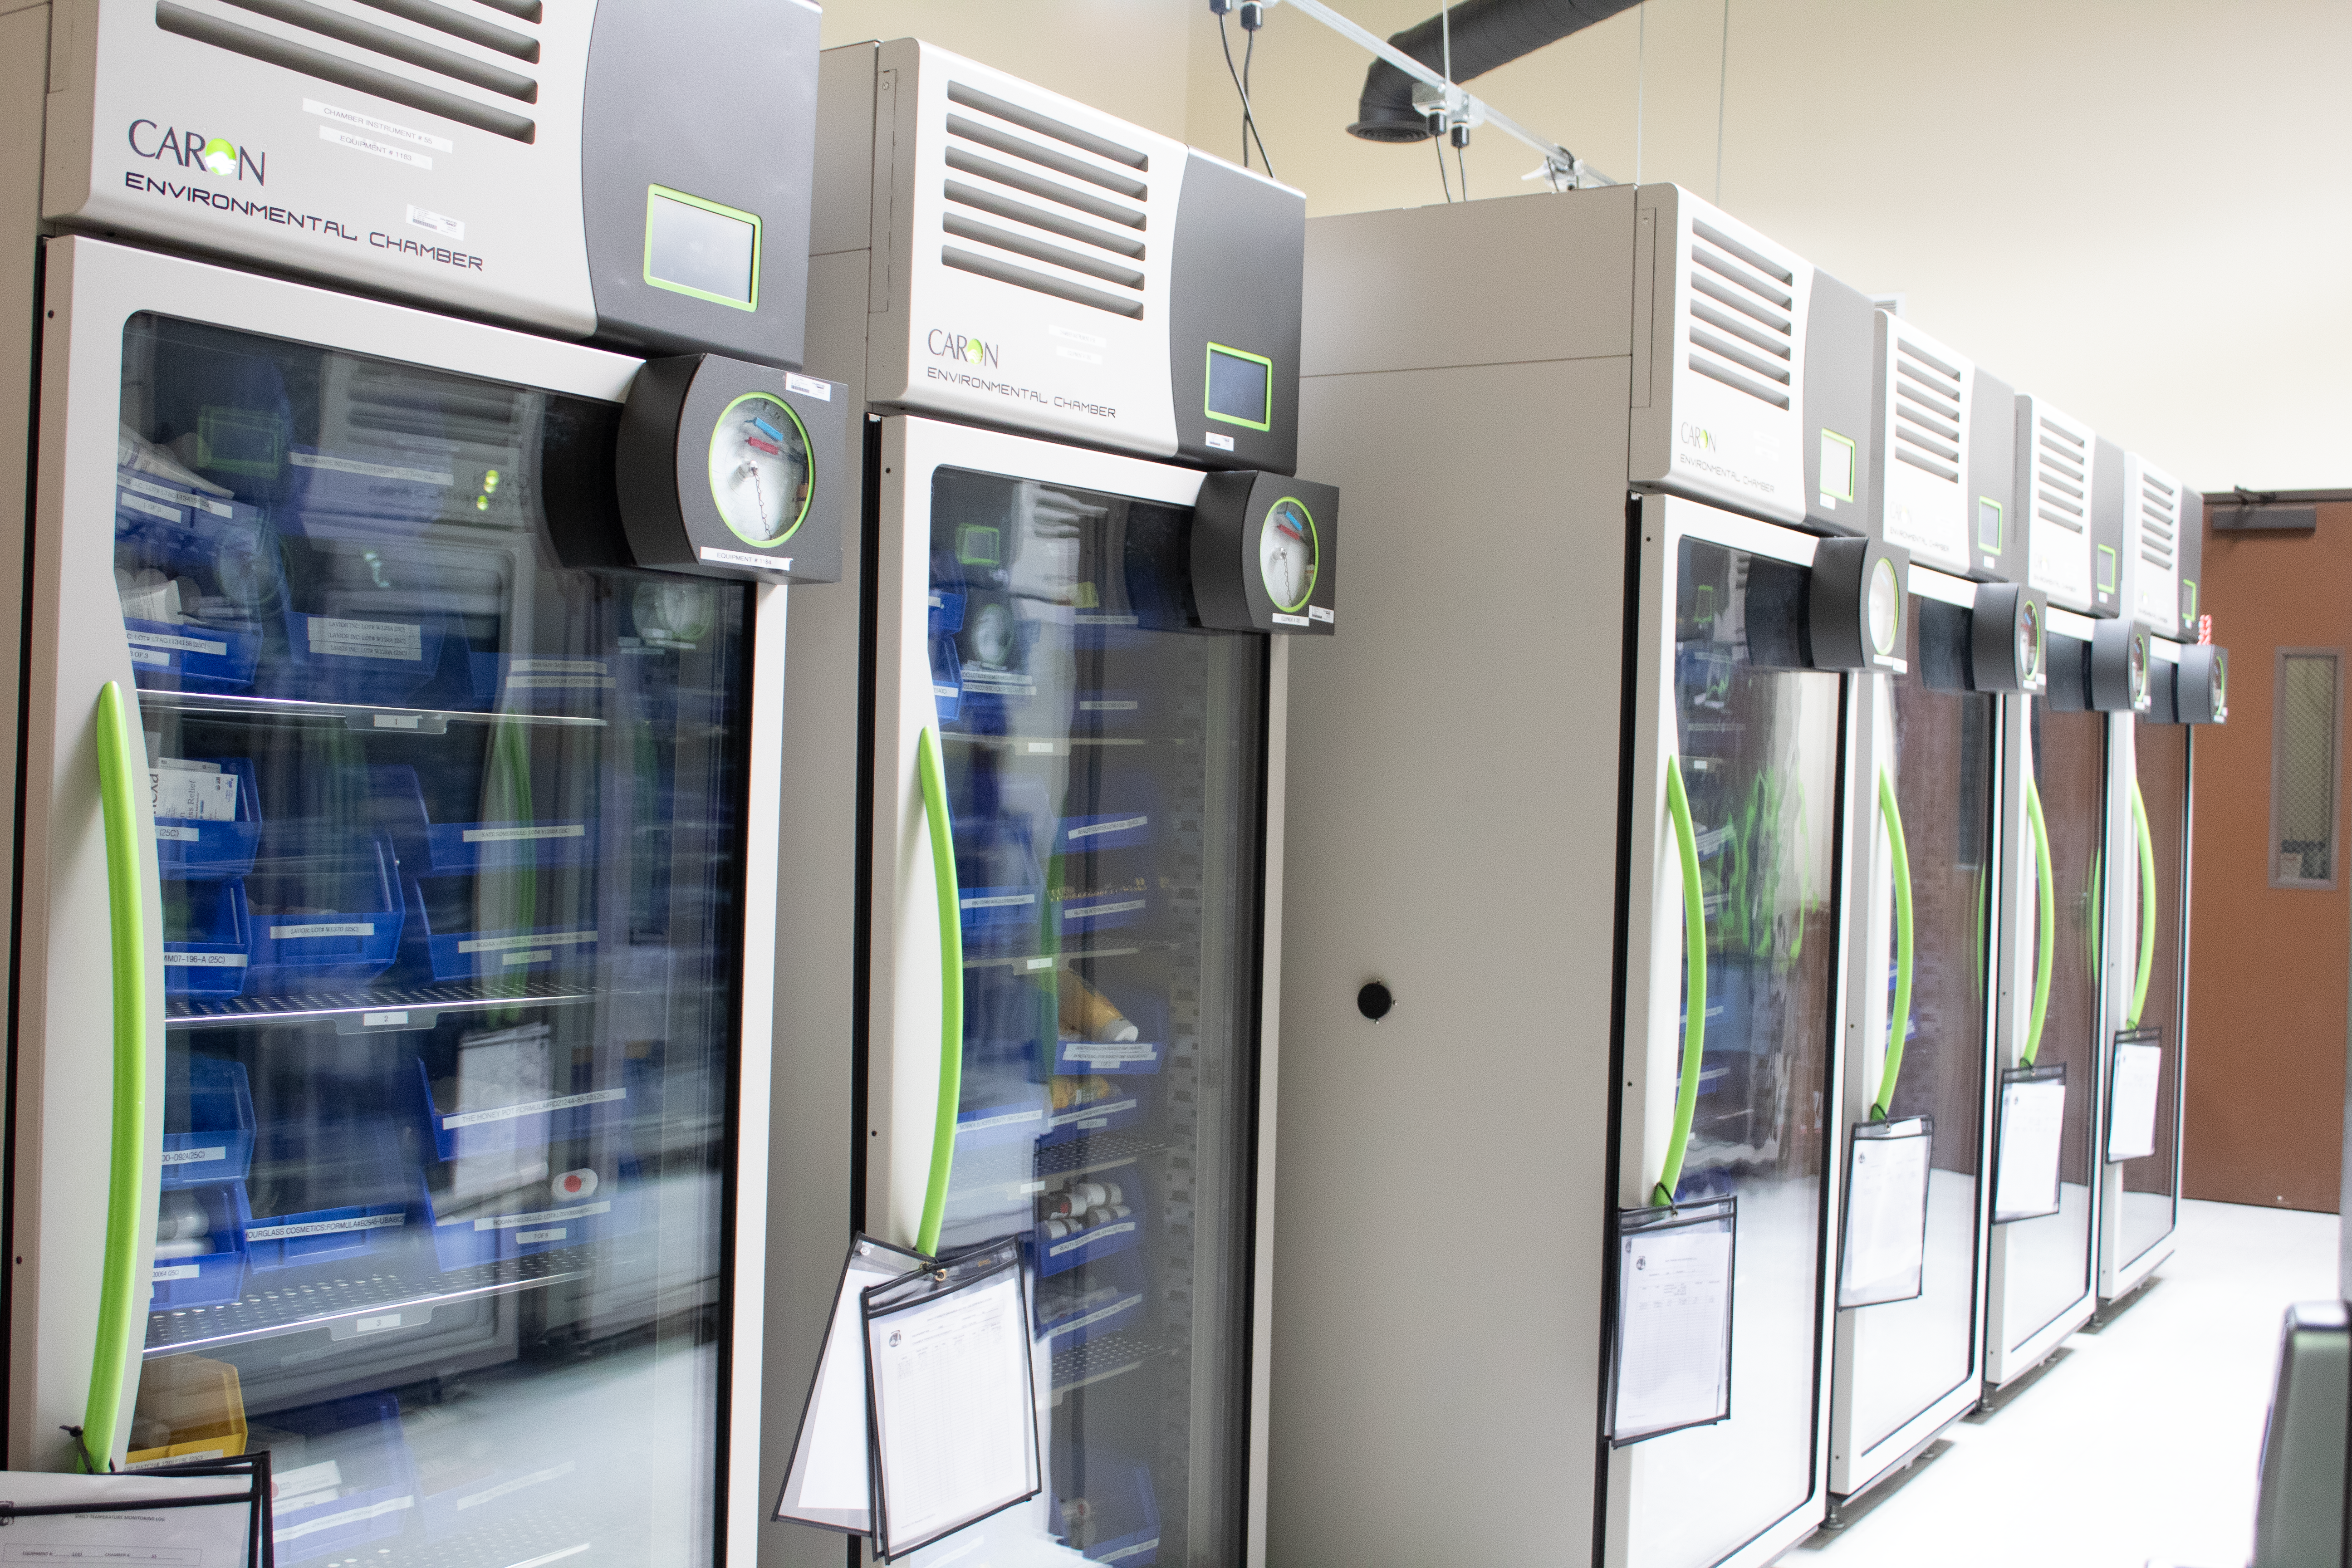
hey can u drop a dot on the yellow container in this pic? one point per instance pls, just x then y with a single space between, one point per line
189 1408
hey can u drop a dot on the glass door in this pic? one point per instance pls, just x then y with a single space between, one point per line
2149 1197
2049 1260
1103 763
451 858
1758 739
1938 751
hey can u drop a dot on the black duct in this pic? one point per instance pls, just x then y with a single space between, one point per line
1487 34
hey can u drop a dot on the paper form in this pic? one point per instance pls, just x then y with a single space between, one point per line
1674 1303
2131 1109
164 1538
2032 1129
1886 1219
954 1413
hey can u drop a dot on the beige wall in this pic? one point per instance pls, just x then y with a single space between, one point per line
2135 207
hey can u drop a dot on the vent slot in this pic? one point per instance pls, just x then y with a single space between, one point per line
1039 282
320 66
461 24
1038 217
1738 317
1047 158
2060 479
2158 507
971 163
1038 250
394 46
1043 125
1929 415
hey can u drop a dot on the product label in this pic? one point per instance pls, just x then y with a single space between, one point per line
517 1221
149 658
556 1233
809 386
173 1271
371 470
367 639
325 1227
1100 1110
185 645
537 1107
173 960
180 835
1318 613
559 683
529 939
179 1458
191 795
447 227
177 497
1103 1051
1100 1232
344 927
557 666
999 901
140 503
1107 705
194 1156
1089 913
1123 825
1220 443
745 558
515 835
1007 1120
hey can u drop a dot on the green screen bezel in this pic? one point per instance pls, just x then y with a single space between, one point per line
2113 578
661 192
807 446
2000 523
1208 367
1853 464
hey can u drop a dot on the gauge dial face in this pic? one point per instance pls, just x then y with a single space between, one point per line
1886 608
1289 555
2029 642
994 637
759 470
2136 670
2217 681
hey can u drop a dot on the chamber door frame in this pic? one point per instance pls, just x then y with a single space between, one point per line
92 289
902 980
1651 1041
1869 923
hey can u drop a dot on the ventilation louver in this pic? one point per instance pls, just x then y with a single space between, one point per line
1928 413
1025 191
2061 477
1740 319
405 69
2159 509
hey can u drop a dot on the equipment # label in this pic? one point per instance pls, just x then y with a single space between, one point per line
537 1107
1117 1227
367 639
177 497
529 939
745 558
545 1216
185 645
205 961
175 1271
194 1156
345 928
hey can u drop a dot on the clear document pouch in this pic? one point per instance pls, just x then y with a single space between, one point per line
901 1307
829 1483
253 1497
2029 1132
2135 1076
1883 1246
1670 1333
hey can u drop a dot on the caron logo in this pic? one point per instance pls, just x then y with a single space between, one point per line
956 346
1698 436
217 155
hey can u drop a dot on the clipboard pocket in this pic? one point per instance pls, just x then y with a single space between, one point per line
1670 1334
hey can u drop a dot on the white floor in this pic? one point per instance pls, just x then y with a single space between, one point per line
2142 1445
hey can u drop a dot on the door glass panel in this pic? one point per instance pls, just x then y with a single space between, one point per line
449 837
1103 766
1759 753
2048 1259
1908 1354
2151 1185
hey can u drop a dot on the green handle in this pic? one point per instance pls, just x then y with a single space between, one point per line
1898 1024
2147 905
1695 986
943 874
119 742
2046 944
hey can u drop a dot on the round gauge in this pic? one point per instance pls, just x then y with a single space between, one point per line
1288 557
2136 670
759 470
994 636
2029 641
1886 608
2217 682
672 614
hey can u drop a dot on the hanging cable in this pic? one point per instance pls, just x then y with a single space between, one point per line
1722 81
1252 18
1461 169
1225 41
1438 142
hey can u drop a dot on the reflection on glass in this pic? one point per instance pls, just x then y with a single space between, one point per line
1759 748
1911 1354
1102 764
449 837
2151 1185
2049 1260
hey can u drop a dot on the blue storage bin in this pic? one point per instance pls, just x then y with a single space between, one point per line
211 1278
427 847
1123 1103
547 1116
1108 1510
999 889
335 1190
207 939
1013 1117
201 846
207 1122
1081 911
1074 1309
382 490
947 680
536 1220
542 683
1058 1255
459 954
1147 1053
173 656
209 544
375 1471
1126 816
325 908
363 658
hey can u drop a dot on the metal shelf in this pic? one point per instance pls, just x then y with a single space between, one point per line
1101 1151
307 1302
375 1010
372 718
1104 1356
